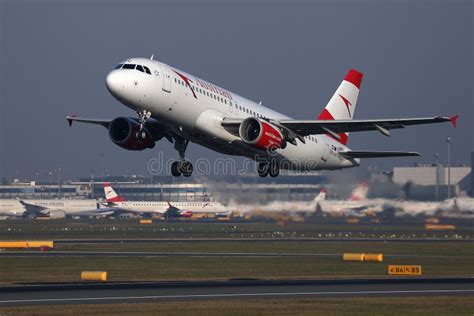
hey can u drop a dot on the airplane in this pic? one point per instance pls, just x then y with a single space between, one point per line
281 206
62 208
177 209
12 208
183 108
356 205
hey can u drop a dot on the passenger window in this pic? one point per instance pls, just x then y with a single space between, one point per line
140 68
175 80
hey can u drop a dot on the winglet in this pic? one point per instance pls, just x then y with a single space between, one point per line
454 120
70 119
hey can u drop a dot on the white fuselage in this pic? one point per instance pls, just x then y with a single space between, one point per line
352 207
152 207
196 114
69 207
11 207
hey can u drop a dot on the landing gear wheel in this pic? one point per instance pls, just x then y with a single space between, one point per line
273 170
175 170
140 135
186 168
262 169
182 167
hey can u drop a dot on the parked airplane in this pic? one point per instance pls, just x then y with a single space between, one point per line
281 206
64 208
356 205
12 208
177 209
180 107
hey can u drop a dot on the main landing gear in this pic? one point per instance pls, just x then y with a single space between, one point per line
143 116
182 167
270 168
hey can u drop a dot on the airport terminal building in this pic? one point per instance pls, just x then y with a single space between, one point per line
162 189
417 182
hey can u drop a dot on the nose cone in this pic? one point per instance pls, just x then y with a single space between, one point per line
114 82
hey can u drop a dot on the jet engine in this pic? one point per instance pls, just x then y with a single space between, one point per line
56 214
261 134
123 131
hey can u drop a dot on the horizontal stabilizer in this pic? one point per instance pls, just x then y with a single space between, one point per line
377 154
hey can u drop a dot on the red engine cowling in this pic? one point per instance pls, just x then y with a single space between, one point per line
122 131
186 214
261 134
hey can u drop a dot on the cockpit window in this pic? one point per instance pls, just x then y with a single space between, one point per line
136 67
128 66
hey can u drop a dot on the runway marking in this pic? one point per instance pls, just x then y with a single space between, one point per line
232 295
81 254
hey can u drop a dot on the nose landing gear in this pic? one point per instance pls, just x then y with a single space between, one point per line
182 167
143 116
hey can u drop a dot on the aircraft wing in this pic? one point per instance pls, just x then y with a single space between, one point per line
312 127
104 211
334 127
376 154
73 118
34 210
32 207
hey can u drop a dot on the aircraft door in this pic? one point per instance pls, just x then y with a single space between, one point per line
166 79
325 153
230 107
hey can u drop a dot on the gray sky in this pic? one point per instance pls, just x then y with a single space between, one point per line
417 57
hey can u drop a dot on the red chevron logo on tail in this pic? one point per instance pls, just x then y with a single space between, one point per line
347 104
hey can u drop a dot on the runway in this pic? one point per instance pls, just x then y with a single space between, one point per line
264 240
86 293
131 254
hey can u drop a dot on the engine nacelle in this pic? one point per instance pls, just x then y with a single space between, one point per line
123 130
56 214
186 214
261 134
